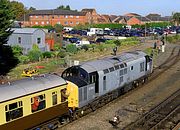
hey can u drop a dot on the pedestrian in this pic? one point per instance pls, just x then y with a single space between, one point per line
115 50
155 45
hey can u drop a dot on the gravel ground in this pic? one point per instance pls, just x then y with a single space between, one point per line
132 105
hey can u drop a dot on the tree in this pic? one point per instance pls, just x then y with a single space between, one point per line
68 7
18 8
176 18
35 54
7 58
63 7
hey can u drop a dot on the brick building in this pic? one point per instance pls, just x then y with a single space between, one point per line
57 16
92 16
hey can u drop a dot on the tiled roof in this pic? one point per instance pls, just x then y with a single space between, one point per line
57 12
25 30
88 10
132 14
144 19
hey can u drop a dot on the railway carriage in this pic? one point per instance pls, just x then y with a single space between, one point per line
31 101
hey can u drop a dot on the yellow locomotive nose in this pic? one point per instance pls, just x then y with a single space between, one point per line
72 90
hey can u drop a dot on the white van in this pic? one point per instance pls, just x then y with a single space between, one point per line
97 31
67 29
80 43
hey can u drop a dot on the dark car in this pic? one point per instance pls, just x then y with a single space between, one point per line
73 40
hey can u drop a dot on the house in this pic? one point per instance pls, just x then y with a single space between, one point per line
26 37
92 16
57 16
158 18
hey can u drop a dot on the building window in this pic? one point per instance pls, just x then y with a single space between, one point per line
71 22
47 22
36 16
19 40
54 98
42 16
71 16
77 22
42 23
66 23
36 23
31 16
66 16
14 110
38 40
38 103
77 16
58 22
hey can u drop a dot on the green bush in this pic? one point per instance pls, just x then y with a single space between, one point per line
34 55
23 59
85 47
62 53
71 48
47 54
17 50
173 39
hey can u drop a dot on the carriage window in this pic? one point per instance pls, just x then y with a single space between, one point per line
14 110
38 103
54 98
64 95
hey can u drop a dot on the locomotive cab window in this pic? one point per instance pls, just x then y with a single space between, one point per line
38 103
14 111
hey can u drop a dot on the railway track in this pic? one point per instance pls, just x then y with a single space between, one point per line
171 60
163 116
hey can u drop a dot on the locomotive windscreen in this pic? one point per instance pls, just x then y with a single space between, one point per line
76 75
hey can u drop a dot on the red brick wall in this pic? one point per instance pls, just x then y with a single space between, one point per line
65 20
133 21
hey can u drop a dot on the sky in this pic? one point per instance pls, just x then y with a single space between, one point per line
116 7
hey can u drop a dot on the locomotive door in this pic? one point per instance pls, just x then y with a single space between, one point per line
94 78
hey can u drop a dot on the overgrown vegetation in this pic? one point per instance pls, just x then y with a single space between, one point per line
173 39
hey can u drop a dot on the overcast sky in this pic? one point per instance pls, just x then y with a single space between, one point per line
117 7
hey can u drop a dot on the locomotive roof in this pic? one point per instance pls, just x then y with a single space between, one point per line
29 85
106 63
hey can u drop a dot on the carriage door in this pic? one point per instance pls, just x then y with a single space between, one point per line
94 78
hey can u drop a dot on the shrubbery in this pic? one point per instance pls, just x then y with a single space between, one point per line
173 39
71 48
47 54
